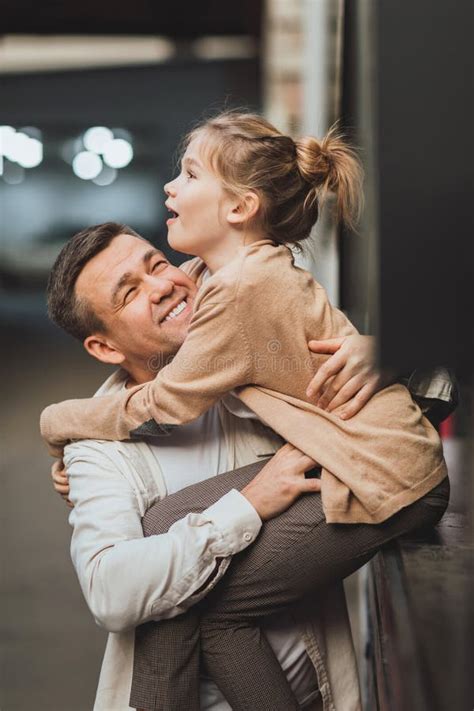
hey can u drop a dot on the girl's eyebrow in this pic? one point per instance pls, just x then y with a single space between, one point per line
188 161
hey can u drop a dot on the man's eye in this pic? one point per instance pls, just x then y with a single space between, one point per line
157 264
130 291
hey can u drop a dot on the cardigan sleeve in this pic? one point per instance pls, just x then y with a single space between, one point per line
214 359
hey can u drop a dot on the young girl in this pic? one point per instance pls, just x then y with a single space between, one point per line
244 193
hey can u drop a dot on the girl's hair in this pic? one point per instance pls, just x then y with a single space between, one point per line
292 178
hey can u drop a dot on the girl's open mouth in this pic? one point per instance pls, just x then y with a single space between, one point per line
173 218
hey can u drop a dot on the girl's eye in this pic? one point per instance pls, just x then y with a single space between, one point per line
189 174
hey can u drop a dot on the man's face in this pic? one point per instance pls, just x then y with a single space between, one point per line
144 302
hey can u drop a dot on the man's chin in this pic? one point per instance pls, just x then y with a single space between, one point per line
170 335
176 333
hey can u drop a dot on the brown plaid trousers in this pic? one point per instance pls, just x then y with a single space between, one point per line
294 554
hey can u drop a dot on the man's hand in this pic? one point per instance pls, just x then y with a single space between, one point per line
347 378
280 482
61 481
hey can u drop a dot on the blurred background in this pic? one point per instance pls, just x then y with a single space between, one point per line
94 98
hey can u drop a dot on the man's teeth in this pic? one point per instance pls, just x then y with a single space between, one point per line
177 310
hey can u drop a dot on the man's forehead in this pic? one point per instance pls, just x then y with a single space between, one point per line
124 246
123 254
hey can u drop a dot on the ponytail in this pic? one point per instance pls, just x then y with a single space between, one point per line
331 166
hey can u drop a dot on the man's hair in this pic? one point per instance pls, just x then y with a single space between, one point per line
69 312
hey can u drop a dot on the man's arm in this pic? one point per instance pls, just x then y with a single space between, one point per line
435 390
127 579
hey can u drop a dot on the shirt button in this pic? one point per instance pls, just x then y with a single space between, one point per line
247 536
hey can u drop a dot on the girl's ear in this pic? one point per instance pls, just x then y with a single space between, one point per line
244 209
101 348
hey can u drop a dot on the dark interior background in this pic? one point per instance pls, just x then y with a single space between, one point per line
405 97
155 105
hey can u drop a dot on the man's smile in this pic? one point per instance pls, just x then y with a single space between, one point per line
177 309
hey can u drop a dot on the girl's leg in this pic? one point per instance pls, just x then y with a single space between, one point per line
166 661
295 553
166 673
291 559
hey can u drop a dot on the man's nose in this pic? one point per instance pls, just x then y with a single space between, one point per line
159 289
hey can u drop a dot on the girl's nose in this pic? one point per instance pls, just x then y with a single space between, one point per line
170 189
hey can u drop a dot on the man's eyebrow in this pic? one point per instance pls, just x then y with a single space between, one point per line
152 253
127 276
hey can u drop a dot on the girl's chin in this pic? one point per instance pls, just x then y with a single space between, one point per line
176 244
179 244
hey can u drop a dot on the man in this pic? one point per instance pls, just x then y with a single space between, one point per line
130 307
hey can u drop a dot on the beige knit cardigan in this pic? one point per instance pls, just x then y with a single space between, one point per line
249 332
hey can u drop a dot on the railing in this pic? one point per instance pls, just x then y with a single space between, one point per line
420 647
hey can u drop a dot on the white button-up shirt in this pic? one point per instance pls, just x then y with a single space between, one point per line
127 579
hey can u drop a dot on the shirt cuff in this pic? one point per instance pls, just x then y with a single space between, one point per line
237 521
434 384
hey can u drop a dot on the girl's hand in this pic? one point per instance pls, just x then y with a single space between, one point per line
348 378
61 481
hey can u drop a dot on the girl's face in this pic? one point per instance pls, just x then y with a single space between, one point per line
199 205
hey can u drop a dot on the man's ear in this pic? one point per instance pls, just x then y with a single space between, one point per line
100 347
244 209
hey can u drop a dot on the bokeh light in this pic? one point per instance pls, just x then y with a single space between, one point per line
118 153
30 152
106 176
13 174
21 148
87 165
96 138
